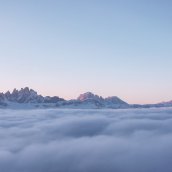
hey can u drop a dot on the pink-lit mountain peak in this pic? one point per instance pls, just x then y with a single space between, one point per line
88 95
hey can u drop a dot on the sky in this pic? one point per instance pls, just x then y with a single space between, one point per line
108 47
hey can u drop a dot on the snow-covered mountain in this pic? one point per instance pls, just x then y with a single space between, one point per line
25 95
100 102
28 98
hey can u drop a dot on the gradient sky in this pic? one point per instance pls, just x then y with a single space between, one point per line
67 47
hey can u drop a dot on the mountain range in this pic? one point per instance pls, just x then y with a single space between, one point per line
28 98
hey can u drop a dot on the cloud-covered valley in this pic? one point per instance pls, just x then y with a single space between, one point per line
86 140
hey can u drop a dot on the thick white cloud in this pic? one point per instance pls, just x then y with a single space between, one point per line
86 140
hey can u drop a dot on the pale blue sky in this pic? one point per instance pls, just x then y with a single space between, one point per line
67 47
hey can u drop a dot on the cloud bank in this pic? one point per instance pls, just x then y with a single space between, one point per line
86 140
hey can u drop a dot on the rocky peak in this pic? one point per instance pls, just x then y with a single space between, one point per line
87 96
2 97
115 100
27 95
15 91
25 90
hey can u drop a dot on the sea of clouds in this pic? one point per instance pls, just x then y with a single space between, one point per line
86 140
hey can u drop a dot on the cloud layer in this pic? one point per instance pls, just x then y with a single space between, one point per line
86 140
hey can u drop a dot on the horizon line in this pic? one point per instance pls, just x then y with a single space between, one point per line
21 88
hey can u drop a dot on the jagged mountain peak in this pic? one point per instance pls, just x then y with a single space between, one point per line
27 96
15 91
115 99
23 90
88 95
100 102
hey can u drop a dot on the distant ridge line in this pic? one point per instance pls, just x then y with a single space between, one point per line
26 97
